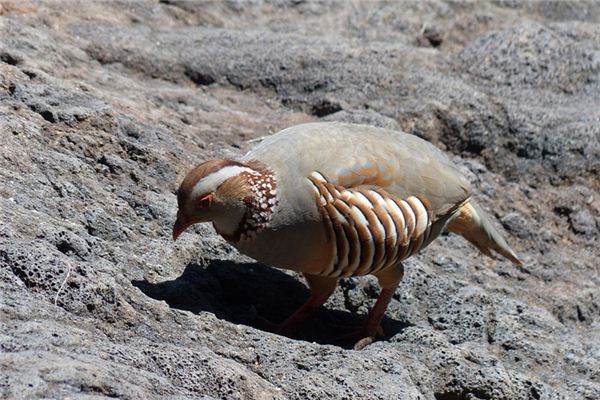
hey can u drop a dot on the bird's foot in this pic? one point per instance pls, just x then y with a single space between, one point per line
362 343
359 339
265 325
284 329
262 323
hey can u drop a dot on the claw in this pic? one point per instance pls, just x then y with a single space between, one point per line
362 343
359 339
266 325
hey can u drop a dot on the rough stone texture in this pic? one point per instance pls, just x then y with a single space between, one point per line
105 105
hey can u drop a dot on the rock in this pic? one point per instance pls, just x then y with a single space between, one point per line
516 224
105 106
583 223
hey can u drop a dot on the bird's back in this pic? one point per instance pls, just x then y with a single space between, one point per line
362 156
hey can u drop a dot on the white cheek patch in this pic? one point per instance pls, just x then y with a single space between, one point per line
211 182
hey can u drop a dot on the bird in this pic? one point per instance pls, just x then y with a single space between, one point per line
334 200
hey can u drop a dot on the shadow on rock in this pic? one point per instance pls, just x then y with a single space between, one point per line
251 293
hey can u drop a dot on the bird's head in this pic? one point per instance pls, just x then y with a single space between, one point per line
215 191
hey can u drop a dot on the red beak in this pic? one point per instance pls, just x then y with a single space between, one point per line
181 225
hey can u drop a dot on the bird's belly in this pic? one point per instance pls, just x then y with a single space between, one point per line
303 248
316 252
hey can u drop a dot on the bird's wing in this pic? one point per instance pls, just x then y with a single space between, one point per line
369 229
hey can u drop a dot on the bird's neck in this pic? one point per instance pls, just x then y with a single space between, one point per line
260 201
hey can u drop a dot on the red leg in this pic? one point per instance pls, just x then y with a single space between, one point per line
378 311
295 321
371 325
389 280
321 289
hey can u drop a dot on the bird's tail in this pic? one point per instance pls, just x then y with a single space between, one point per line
473 224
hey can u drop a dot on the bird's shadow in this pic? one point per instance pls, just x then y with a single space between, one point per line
251 293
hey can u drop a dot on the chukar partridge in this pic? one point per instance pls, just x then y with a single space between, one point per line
334 200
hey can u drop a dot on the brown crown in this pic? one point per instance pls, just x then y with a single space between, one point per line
199 172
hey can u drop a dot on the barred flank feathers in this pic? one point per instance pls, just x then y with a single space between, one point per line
371 230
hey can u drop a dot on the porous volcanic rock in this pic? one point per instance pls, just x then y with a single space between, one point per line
104 106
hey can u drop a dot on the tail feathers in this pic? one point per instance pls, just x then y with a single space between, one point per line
473 224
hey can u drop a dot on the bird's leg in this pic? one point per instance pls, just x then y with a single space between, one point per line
372 325
321 289
389 280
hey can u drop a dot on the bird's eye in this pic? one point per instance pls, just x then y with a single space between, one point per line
205 201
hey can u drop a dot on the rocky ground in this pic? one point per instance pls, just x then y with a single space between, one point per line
105 105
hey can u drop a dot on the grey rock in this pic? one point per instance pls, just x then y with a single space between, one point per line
534 56
516 224
583 223
105 105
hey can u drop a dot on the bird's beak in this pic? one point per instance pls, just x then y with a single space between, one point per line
182 223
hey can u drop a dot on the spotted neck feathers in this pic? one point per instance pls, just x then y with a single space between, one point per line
261 201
